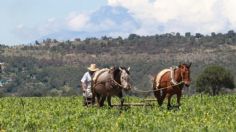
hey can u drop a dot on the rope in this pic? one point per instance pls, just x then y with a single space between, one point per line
142 91
116 83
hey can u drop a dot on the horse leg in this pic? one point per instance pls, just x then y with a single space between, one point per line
98 99
169 101
121 99
93 93
160 97
178 99
93 98
109 101
160 100
101 103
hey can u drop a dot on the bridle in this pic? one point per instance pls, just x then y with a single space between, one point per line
115 82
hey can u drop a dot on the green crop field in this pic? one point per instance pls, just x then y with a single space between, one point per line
197 113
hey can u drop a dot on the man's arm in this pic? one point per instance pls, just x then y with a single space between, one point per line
83 82
83 86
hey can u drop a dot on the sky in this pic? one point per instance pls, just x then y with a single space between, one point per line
24 21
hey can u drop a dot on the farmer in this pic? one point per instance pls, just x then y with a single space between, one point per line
86 84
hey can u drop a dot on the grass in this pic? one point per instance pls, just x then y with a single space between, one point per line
197 113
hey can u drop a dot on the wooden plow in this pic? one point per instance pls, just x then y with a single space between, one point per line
145 102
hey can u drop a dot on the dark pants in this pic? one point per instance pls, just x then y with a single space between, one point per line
87 101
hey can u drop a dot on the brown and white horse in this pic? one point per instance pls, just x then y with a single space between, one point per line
110 82
169 82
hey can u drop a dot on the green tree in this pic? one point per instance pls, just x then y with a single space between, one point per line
213 78
188 34
133 37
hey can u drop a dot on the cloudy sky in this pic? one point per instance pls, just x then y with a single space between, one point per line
24 21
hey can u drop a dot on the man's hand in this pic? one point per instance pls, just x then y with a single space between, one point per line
83 87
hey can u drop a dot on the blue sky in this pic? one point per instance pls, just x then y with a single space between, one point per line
24 21
34 13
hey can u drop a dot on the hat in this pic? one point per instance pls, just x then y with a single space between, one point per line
93 67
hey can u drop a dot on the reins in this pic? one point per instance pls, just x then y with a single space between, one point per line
142 91
116 83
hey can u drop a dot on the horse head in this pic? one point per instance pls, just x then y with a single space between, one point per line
185 73
122 76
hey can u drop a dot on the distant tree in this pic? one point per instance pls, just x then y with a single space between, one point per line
213 34
213 78
54 41
104 38
231 33
77 39
48 40
133 36
177 34
198 35
37 42
119 38
188 34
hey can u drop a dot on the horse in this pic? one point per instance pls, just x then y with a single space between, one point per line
110 82
171 81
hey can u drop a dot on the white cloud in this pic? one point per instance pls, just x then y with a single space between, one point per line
144 17
203 16
229 11
106 24
25 32
20 26
139 8
77 22
52 19
52 25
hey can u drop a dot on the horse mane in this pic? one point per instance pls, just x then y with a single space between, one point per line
117 72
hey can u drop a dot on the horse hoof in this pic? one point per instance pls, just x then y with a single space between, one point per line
110 107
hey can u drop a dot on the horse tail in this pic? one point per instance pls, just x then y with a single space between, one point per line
154 86
157 93
154 83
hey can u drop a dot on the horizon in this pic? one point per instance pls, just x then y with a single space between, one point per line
25 21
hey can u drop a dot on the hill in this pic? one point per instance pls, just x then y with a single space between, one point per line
51 67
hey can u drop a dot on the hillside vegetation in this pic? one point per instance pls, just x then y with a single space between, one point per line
55 68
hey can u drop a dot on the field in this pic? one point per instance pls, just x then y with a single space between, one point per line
197 113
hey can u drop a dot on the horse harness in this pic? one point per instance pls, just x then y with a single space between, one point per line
173 81
111 80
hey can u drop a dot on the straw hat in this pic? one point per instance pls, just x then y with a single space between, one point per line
93 67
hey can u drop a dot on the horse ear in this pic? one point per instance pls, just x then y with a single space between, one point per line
128 68
112 67
120 68
179 65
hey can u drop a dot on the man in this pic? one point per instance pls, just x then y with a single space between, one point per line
86 84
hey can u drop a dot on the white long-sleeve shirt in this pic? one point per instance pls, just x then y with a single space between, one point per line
87 80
